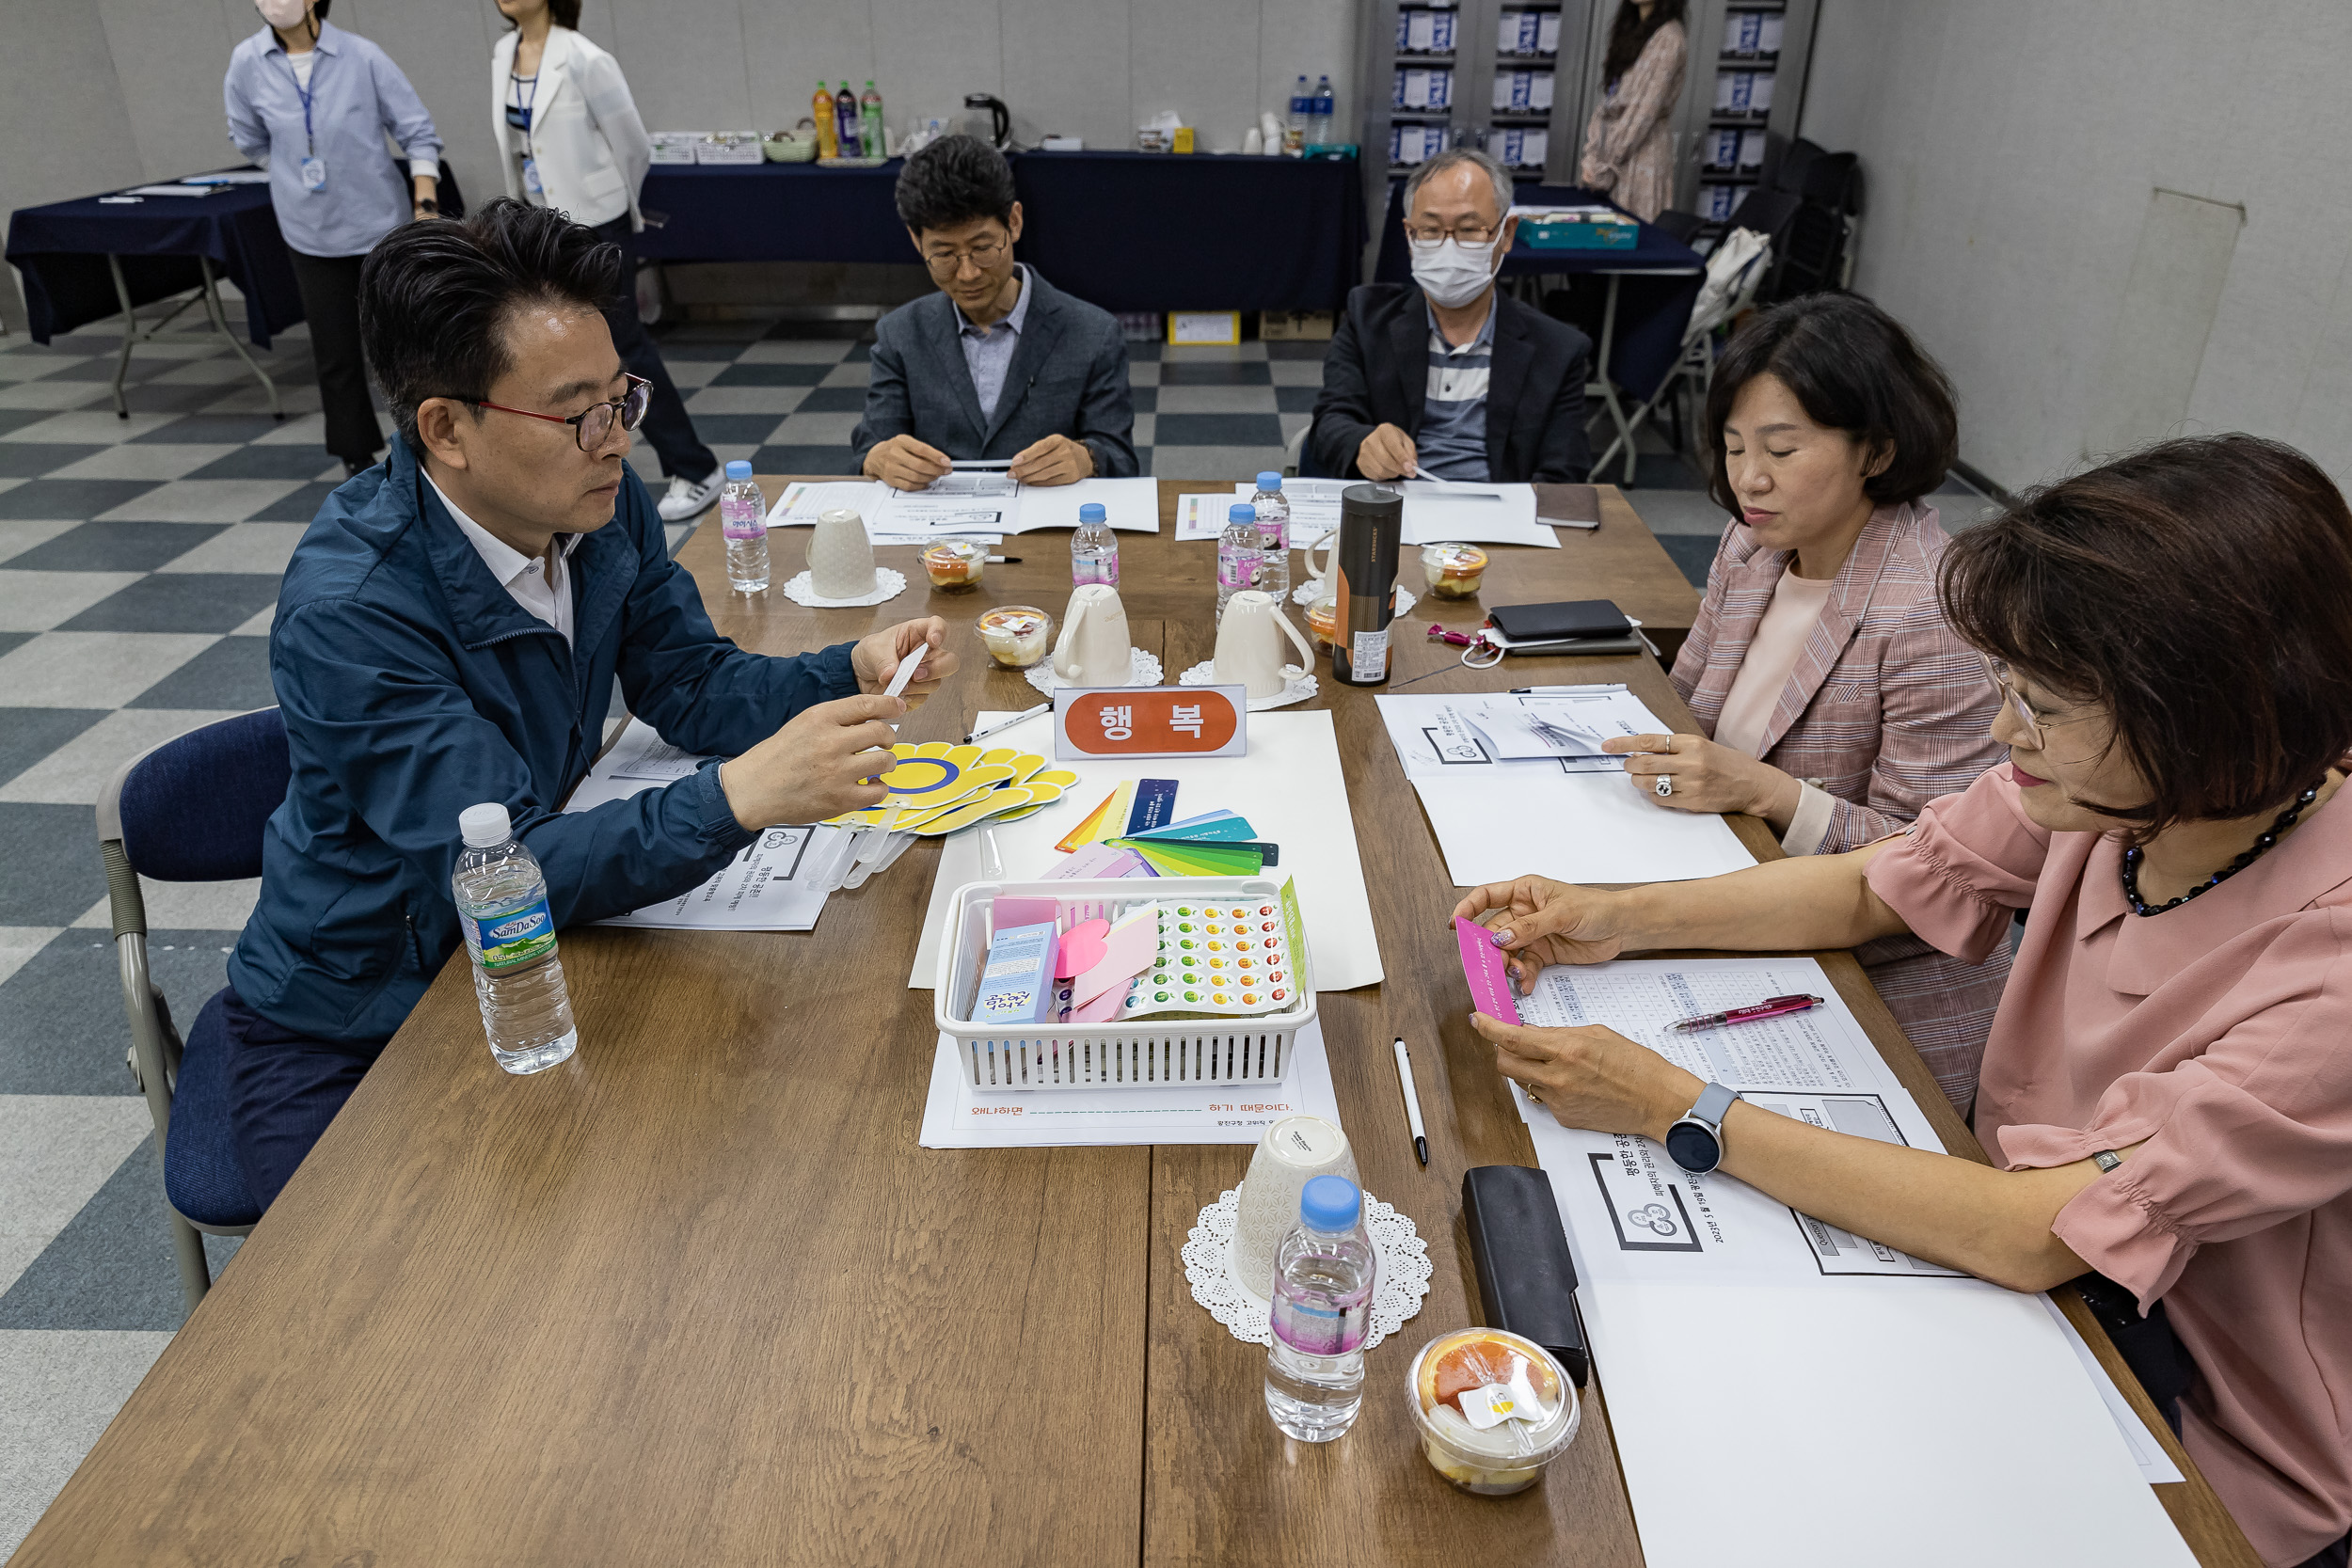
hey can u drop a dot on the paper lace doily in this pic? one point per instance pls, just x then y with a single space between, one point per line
1303 685
888 584
1143 670
1404 600
1396 1297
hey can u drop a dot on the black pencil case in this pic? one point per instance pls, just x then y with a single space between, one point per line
1525 1275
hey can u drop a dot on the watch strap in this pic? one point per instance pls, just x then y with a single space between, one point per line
1712 1103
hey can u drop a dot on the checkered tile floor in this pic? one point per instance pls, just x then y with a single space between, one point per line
139 561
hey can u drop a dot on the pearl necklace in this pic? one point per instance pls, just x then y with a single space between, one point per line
2131 858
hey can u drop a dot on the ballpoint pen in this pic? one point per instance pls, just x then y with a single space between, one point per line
1021 718
1771 1006
1004 560
1413 1104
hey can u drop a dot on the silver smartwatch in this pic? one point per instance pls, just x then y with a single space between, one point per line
1696 1142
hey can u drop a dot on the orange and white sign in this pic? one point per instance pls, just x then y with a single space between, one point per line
1150 722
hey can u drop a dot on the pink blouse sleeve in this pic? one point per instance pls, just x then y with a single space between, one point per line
1963 868
2254 1130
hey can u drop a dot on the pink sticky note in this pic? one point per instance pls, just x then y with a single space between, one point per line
1082 948
1483 967
1127 952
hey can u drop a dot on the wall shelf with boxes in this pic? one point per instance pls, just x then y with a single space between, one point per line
1504 75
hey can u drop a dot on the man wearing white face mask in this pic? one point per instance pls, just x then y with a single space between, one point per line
1446 375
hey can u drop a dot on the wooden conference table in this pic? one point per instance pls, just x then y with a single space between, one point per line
698 1295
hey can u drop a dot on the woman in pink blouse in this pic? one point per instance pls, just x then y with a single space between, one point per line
1832 698
2167 1088
1629 143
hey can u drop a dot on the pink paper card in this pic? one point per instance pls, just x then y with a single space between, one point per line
1005 914
1483 967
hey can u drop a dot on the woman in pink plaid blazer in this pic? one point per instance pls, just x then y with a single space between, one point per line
1832 700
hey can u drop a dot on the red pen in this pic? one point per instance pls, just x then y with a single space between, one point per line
1771 1006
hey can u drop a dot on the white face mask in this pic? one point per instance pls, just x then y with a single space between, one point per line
1452 273
284 14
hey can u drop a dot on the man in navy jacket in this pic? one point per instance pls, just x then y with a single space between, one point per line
448 632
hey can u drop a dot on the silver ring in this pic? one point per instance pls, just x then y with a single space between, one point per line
1665 785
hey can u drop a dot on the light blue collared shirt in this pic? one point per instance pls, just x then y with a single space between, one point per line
988 350
356 94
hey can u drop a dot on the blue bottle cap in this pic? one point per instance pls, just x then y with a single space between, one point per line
738 468
1241 512
1329 1203
1091 513
1269 481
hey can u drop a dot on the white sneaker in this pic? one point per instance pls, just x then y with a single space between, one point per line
688 499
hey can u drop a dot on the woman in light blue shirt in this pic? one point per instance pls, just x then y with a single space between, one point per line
311 104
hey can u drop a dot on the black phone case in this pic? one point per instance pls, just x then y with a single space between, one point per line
1560 621
1525 1275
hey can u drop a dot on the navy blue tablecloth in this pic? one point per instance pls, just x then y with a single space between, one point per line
1652 312
1123 230
61 250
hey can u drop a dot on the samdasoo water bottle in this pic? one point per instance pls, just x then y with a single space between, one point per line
1324 1275
510 933
743 517
1274 535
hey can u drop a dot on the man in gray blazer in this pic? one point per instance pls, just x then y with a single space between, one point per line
999 363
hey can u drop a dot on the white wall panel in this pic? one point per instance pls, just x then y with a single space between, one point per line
2010 150
1198 58
169 60
785 50
688 64
1065 70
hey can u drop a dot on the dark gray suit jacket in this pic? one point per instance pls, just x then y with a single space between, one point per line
1377 372
1068 378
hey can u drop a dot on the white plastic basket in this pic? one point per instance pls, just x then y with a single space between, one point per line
1148 1053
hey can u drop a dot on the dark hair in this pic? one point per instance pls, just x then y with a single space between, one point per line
1853 368
563 13
954 181
1629 35
2201 592
435 296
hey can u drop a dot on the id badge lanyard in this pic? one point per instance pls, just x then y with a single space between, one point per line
518 116
314 169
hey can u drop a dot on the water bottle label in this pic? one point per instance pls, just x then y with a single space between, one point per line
514 941
1236 569
742 523
1316 1330
1105 570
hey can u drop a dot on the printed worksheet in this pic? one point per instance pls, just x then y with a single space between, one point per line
1632 1213
766 888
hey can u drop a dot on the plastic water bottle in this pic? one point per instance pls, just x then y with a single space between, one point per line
1095 549
1240 558
869 114
502 905
1319 120
845 122
1295 126
743 517
1274 535
1324 1275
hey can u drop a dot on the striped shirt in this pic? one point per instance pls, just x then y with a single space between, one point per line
1452 442
988 350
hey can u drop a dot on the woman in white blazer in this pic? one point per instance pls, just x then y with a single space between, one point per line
569 138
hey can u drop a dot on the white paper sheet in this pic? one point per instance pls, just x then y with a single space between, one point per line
1811 1353
804 499
763 889
1478 514
1290 787
2155 1466
1935 1424
956 1115
1203 516
1577 819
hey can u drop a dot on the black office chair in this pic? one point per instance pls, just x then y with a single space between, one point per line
192 810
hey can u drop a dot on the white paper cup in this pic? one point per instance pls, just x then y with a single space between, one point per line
1293 1151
